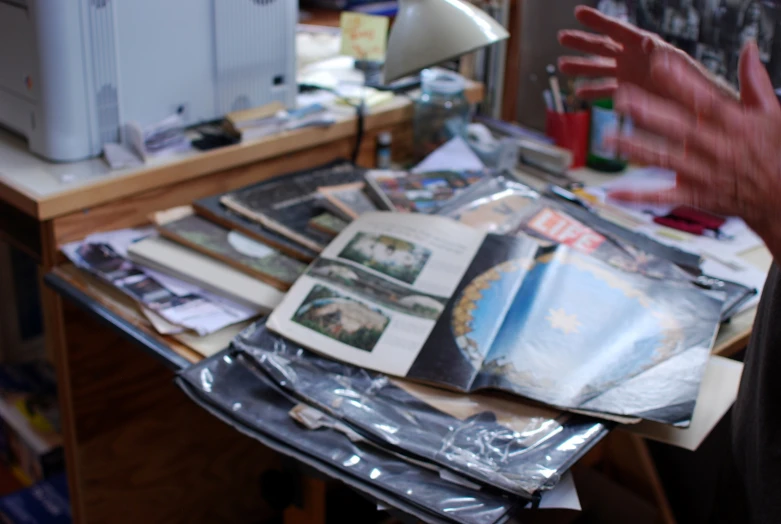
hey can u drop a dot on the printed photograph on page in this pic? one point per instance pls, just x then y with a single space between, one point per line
375 293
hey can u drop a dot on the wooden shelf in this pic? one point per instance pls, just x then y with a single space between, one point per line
318 16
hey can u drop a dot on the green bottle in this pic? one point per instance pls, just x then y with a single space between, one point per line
604 122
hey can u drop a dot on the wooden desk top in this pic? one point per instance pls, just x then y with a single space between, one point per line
46 190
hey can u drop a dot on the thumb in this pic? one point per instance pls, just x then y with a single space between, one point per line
756 89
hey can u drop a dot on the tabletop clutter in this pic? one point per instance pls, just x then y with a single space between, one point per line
448 315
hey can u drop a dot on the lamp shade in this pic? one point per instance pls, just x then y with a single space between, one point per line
427 32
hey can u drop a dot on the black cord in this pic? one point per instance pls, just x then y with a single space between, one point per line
360 110
360 113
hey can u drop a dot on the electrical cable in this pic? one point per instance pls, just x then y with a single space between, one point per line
360 114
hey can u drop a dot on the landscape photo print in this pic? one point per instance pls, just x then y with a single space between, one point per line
341 318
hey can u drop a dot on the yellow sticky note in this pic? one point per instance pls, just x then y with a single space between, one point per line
364 36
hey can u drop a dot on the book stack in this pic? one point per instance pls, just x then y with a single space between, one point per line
204 270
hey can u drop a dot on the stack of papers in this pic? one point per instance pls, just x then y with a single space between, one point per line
721 257
171 305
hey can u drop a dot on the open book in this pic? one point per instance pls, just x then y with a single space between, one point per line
436 301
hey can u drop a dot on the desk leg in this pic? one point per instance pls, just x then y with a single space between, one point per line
628 460
312 508
55 347
138 449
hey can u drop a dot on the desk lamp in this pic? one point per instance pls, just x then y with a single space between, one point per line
428 32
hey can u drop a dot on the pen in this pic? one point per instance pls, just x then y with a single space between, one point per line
548 99
555 89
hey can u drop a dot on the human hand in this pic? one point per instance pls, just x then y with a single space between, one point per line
621 53
727 154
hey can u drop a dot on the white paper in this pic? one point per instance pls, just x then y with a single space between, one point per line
656 179
454 155
563 496
160 324
213 343
120 157
201 312
119 239
720 256
180 288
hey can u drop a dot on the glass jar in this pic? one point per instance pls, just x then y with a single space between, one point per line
441 112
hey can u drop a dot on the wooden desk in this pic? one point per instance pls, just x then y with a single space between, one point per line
136 449
132 440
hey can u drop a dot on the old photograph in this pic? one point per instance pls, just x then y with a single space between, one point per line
377 289
713 31
388 255
341 318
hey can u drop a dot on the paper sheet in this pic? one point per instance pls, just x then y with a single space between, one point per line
563 496
721 256
656 179
454 155
188 307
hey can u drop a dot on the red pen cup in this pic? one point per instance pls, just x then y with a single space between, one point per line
570 131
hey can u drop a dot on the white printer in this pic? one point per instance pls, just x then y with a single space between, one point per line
73 72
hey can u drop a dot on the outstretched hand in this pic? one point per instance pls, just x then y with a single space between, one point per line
727 154
619 53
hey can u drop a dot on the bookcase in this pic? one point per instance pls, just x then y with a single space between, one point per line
21 330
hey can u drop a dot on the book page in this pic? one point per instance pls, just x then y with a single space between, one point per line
582 334
464 333
375 293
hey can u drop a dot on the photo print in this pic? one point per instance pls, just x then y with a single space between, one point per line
342 318
711 31
388 255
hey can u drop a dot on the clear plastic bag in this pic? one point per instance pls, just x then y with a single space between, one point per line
524 459
227 387
493 205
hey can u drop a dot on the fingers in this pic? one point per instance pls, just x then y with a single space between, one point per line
666 119
756 89
590 43
676 77
615 29
643 149
589 67
667 197
598 89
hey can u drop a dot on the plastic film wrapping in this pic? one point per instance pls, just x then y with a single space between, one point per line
503 206
228 387
504 444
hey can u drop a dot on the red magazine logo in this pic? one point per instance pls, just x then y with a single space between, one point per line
564 230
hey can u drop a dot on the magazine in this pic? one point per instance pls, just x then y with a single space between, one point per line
499 205
327 224
418 192
278 212
254 258
432 300
347 201
285 205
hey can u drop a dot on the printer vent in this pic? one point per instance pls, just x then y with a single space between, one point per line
104 69
247 67
108 114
